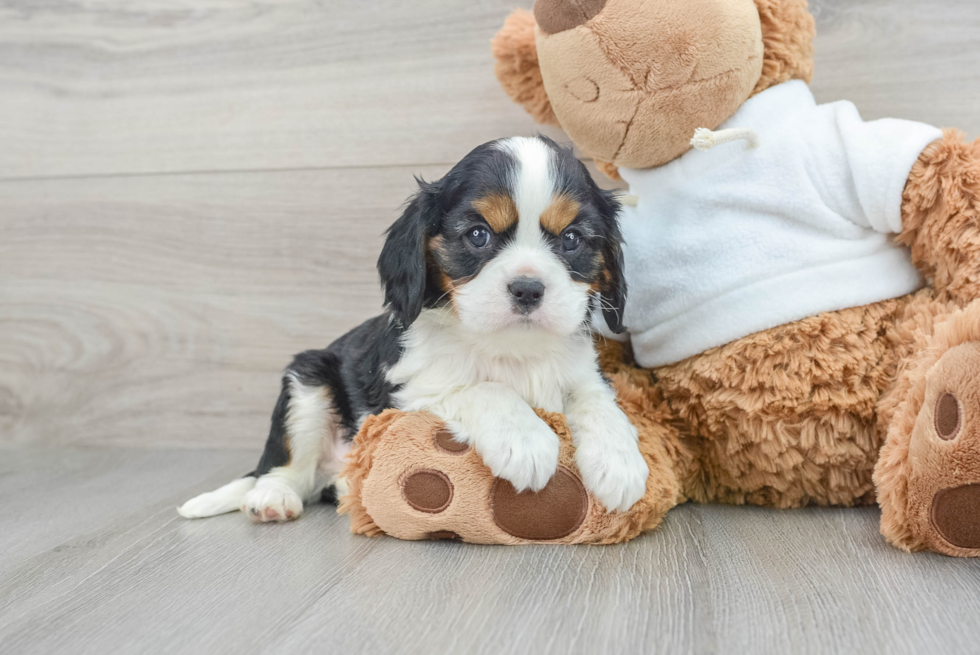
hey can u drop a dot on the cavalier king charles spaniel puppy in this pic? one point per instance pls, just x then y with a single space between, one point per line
494 278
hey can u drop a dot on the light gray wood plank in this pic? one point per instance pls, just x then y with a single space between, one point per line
50 495
160 86
156 85
713 579
148 308
903 59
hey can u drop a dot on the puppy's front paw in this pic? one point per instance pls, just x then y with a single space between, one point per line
523 452
615 471
272 500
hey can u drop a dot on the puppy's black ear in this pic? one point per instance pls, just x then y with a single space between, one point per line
612 284
402 264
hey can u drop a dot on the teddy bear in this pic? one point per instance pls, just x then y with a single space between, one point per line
803 319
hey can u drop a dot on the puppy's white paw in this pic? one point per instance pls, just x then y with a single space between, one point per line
613 470
523 452
272 500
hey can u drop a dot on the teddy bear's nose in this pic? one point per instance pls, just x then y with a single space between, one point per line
555 16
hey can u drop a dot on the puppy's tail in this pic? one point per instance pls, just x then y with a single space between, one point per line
220 501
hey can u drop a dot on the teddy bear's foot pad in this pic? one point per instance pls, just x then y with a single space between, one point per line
428 491
956 515
944 488
554 512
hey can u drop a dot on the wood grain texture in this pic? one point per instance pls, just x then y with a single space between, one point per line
200 85
901 58
118 86
163 307
137 578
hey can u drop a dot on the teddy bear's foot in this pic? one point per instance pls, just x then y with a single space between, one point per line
411 479
943 495
430 486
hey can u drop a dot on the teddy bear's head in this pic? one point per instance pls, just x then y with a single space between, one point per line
630 80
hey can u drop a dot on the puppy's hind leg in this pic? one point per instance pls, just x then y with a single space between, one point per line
302 444
303 454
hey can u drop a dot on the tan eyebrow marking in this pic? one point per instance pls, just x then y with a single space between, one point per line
559 214
436 244
437 250
498 210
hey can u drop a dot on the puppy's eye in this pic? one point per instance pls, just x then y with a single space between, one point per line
570 240
479 237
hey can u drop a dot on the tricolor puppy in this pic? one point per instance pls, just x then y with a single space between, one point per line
491 278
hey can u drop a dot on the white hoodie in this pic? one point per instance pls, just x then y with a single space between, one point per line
735 240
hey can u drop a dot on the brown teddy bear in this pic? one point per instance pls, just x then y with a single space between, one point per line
802 286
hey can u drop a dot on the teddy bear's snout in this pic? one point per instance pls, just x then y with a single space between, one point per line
554 16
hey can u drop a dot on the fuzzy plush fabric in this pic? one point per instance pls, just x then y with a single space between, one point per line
517 67
786 417
878 403
394 446
917 462
632 84
941 221
600 128
941 216
787 33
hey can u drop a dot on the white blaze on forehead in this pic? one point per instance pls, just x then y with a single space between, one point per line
485 303
532 184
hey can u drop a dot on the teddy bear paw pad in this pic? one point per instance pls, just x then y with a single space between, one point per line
428 491
552 513
447 443
956 515
945 452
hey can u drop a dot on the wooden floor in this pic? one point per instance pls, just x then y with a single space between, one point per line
193 190
93 558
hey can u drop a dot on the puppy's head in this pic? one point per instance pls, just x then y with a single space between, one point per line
516 235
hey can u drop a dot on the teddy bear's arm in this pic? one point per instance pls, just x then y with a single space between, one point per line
941 216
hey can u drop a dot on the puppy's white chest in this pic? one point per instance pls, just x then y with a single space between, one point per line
426 380
540 384
437 363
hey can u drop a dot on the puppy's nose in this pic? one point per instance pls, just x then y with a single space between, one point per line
555 16
526 292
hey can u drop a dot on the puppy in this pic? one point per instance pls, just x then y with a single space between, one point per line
491 278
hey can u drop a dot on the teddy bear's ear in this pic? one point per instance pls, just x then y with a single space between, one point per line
788 29
517 66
